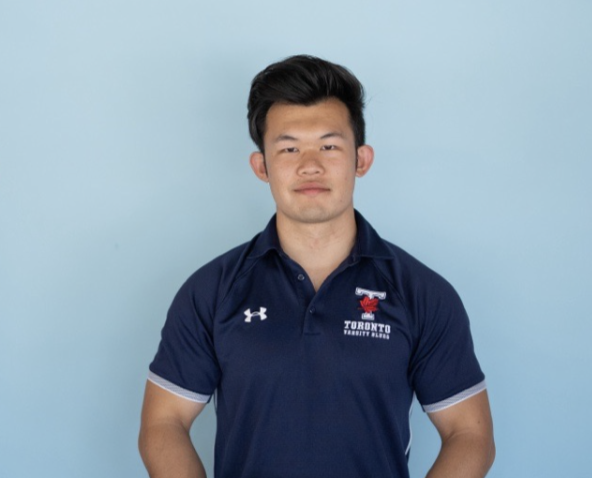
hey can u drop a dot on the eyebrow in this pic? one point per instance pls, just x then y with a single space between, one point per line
284 137
332 134
287 137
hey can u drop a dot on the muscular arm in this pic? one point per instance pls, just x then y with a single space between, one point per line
165 445
466 430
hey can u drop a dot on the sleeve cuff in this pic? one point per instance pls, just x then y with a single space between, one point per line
175 389
459 397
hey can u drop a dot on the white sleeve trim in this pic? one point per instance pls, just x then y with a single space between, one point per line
176 390
459 397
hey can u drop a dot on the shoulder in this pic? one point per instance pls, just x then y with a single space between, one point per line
212 281
407 273
429 300
401 269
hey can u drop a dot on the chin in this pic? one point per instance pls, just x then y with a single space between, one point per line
315 215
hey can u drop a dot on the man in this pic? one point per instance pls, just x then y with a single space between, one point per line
315 335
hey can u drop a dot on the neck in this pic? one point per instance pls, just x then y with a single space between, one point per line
318 248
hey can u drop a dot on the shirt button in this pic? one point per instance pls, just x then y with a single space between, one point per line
300 277
312 310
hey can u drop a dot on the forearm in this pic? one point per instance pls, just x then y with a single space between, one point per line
167 452
464 456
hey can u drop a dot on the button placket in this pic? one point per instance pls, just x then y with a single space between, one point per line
307 294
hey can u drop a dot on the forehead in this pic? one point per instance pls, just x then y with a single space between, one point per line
320 118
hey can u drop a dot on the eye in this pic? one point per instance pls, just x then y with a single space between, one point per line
328 147
290 150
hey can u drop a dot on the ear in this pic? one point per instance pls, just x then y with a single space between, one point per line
365 160
257 162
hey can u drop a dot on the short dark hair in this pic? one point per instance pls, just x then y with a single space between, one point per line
304 80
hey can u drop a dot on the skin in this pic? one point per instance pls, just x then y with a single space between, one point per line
311 164
164 442
466 431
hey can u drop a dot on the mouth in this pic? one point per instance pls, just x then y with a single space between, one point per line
311 189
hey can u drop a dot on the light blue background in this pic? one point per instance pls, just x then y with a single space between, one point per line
123 168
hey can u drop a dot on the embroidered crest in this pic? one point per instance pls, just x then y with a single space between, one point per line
370 301
369 306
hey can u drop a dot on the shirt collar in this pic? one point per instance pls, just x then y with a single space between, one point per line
266 240
368 242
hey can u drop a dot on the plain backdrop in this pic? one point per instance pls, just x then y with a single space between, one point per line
123 168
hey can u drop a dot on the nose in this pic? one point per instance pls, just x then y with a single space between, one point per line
310 164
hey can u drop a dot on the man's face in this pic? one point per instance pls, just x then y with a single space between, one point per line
310 161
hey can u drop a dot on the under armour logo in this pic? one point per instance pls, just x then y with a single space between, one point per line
261 314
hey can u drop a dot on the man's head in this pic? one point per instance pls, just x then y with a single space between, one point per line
305 115
304 80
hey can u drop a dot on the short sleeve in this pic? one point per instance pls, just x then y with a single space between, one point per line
444 369
185 363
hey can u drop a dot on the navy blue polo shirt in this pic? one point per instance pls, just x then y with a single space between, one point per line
316 384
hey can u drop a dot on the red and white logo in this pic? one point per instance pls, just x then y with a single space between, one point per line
369 304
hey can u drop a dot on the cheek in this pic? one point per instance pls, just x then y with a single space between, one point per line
348 175
277 183
278 175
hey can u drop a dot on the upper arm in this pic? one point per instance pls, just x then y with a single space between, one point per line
164 407
164 442
472 416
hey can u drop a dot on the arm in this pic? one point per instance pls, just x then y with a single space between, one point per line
466 430
165 445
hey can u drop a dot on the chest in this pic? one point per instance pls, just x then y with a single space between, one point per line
274 328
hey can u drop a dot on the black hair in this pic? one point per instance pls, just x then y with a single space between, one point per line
304 80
